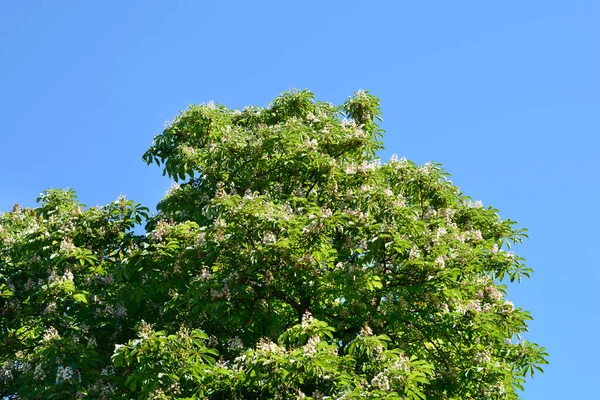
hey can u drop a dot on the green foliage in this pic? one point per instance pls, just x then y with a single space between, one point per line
288 262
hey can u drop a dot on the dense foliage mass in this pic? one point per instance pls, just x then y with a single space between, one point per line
288 263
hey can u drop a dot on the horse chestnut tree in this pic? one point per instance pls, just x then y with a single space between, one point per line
286 262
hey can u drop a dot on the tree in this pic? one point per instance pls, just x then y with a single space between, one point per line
288 263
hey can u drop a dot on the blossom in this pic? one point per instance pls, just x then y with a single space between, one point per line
475 204
67 245
474 306
67 276
310 349
440 261
366 331
235 343
64 374
307 320
269 238
493 293
381 382
50 308
145 330
317 395
350 169
414 253
509 306
312 144
269 347
482 357
51 334
39 373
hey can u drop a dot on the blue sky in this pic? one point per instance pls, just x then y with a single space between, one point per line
506 96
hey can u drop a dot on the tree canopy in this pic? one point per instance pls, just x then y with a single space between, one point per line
286 262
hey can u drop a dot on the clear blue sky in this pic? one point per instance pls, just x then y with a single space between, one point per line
505 95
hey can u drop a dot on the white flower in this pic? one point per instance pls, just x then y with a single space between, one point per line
312 144
235 344
50 334
212 341
366 331
39 373
509 305
50 308
440 261
67 276
414 253
307 320
483 357
317 395
145 330
64 374
120 311
67 246
381 382
311 347
474 306
350 169
493 293
205 274
269 238
475 204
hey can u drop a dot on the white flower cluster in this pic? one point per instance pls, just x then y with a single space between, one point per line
475 204
39 373
366 331
67 246
269 238
174 187
508 306
307 320
160 231
483 357
223 293
440 261
212 341
310 349
145 330
119 311
381 382
64 374
369 166
235 344
311 144
50 334
314 226
414 253
493 293
269 347
68 275
50 308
